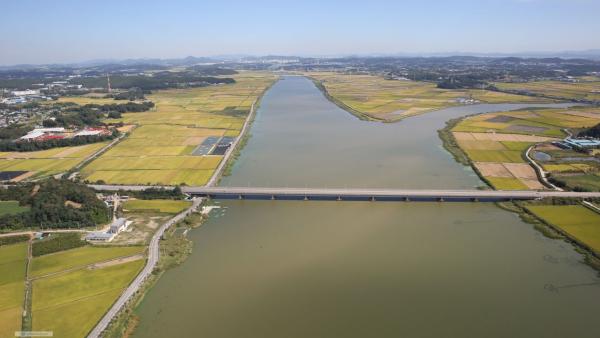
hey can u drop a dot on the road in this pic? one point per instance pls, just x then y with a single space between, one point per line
361 194
153 256
219 171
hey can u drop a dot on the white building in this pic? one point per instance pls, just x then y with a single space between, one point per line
25 92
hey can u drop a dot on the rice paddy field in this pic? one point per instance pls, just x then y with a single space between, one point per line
392 100
79 257
12 287
159 150
72 289
584 89
86 99
496 142
578 221
49 162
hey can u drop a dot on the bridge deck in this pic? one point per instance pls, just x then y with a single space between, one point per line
376 194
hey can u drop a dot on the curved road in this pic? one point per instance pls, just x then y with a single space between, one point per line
153 255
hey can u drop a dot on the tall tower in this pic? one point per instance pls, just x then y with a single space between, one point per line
108 82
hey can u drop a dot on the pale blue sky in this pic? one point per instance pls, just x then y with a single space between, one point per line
65 31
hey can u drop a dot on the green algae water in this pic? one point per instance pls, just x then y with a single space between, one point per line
366 269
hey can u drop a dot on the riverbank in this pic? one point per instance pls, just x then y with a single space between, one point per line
234 152
282 259
174 248
361 115
545 227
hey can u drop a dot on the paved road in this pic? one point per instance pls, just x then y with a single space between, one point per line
257 192
153 255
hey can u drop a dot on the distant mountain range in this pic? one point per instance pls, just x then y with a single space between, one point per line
592 54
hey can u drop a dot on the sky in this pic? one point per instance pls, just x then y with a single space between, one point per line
62 31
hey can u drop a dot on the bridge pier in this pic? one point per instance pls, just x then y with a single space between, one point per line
339 198
240 197
306 198
441 199
272 197
372 199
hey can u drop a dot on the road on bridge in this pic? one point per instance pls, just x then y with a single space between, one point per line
349 193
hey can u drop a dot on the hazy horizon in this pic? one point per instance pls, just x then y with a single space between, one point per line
71 31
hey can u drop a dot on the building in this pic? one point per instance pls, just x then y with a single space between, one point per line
40 133
25 92
582 143
119 225
93 132
99 236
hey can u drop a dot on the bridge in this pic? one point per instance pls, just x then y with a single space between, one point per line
332 194
319 194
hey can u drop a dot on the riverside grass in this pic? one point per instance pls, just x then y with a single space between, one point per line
161 206
159 150
578 221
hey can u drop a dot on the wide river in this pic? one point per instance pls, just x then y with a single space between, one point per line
280 269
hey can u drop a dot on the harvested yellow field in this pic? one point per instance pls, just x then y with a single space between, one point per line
520 170
492 169
506 175
392 100
499 137
539 122
159 150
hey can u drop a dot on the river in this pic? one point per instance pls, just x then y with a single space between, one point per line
362 269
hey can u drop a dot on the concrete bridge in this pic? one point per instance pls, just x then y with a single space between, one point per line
319 194
352 194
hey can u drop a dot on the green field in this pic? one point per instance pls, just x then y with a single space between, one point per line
163 206
81 297
576 220
587 181
83 256
504 156
506 183
159 150
11 208
12 287
392 100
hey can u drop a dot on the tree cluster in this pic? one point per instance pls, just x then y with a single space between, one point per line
159 193
57 242
590 132
49 208
24 146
